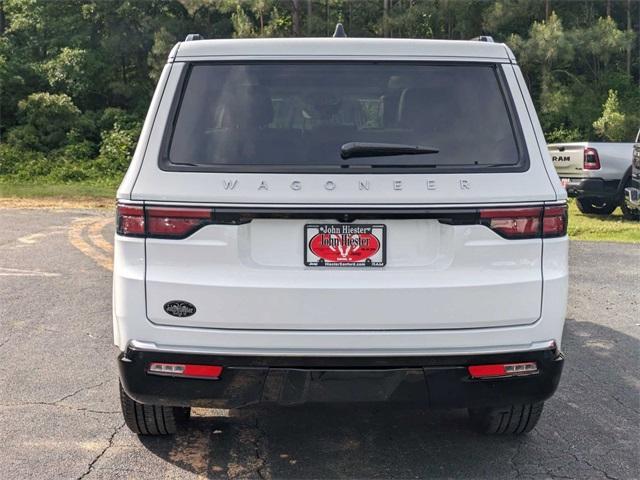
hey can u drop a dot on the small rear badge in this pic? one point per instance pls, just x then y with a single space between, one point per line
179 308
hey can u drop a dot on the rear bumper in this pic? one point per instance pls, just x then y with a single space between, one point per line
434 381
591 187
632 197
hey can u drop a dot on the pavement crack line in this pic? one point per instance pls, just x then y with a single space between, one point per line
258 444
90 387
104 450
58 403
513 458
578 459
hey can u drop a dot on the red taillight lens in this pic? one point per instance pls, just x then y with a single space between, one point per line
503 370
175 222
187 370
554 223
161 222
591 159
514 223
130 220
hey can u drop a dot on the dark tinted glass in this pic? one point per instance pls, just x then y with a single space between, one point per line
299 114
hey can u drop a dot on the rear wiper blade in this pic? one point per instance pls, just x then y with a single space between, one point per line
370 149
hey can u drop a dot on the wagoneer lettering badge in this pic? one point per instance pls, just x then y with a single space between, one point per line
330 185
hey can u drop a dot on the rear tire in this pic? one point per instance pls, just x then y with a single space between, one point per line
514 420
151 419
596 206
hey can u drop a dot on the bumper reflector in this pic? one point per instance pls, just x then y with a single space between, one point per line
503 370
185 370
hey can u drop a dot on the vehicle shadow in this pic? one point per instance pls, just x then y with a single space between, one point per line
391 441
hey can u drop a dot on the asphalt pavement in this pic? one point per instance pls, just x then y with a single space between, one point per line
60 417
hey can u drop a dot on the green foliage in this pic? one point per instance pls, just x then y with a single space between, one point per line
69 71
562 134
611 125
76 76
116 150
46 119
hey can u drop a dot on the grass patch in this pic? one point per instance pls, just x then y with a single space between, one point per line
57 190
56 195
602 228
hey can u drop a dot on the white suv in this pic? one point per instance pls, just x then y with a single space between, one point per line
310 220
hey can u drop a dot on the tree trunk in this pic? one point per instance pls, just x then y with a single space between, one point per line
608 8
309 11
385 18
295 14
326 18
630 43
3 25
546 10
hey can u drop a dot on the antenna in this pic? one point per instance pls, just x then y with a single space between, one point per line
339 32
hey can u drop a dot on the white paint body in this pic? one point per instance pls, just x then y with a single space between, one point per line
446 289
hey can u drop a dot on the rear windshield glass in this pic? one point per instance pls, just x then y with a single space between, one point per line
307 116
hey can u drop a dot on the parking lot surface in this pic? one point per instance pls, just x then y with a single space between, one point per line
59 409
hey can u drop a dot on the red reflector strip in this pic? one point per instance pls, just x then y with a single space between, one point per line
503 370
186 370
480 371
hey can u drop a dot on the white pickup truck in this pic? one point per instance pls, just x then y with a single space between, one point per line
595 173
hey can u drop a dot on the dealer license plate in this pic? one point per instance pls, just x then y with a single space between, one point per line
345 245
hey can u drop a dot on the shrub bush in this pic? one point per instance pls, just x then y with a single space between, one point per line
116 150
45 121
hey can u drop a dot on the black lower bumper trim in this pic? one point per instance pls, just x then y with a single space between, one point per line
592 187
432 381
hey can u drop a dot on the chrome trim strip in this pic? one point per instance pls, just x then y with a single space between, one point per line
152 347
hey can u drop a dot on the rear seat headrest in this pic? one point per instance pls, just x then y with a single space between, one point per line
424 105
249 106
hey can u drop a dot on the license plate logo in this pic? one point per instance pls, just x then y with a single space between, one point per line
342 245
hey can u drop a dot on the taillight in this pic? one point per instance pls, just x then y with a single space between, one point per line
554 222
531 222
161 222
591 159
130 220
175 222
513 222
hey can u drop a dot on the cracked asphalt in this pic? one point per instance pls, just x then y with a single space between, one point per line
59 409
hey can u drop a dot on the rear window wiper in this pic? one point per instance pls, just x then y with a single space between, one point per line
370 149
